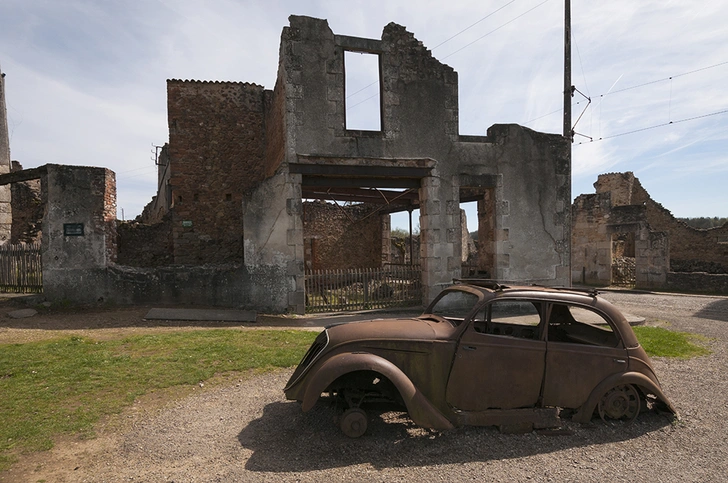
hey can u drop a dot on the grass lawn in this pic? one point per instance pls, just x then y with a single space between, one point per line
64 386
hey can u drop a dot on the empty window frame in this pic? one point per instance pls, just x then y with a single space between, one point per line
362 91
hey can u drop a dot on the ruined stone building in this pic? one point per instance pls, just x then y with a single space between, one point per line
230 224
621 220
241 159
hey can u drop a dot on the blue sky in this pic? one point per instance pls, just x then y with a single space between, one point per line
86 83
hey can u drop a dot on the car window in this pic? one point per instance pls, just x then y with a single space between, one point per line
455 305
580 325
515 318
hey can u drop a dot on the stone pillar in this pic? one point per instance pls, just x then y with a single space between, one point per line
386 228
79 232
273 244
6 219
486 233
440 234
652 259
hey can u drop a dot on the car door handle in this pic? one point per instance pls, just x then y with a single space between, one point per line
620 361
469 348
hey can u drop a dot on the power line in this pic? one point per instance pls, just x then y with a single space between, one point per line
473 25
658 125
495 30
633 87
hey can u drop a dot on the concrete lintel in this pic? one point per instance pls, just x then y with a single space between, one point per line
23 175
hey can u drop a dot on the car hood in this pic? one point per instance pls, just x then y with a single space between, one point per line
388 329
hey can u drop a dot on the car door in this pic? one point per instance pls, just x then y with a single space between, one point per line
500 358
582 350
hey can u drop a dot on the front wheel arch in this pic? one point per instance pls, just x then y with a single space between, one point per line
420 409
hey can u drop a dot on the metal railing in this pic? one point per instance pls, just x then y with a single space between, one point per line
363 288
21 270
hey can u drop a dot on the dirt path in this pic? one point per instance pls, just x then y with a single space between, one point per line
246 431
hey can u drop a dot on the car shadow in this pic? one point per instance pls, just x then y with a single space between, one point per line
717 310
312 441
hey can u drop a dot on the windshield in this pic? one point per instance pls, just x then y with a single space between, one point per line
454 306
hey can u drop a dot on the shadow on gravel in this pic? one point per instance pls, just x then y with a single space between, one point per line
717 310
311 441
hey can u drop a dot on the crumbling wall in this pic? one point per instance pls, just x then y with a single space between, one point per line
27 210
691 249
338 237
591 246
145 245
216 154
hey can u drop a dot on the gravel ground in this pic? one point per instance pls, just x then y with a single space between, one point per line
247 431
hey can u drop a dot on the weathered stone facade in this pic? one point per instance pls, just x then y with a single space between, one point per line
341 237
266 151
241 160
27 209
621 219
216 150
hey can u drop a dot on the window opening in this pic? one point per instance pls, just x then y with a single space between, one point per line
362 89
514 318
579 325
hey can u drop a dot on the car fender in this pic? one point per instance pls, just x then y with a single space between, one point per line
419 407
584 414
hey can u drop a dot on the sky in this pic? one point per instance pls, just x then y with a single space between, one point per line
86 80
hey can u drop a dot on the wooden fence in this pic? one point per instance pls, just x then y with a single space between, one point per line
363 289
20 268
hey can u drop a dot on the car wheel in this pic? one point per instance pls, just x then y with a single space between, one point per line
353 422
621 402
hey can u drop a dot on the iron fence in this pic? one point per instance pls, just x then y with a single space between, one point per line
21 270
363 288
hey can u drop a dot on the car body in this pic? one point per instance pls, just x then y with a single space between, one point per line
484 353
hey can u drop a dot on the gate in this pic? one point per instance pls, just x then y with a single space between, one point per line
363 288
21 270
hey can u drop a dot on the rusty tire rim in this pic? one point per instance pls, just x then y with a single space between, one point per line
620 402
353 422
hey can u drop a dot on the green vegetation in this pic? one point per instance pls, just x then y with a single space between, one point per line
64 386
705 222
667 343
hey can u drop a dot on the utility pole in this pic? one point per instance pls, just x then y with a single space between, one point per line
6 220
567 72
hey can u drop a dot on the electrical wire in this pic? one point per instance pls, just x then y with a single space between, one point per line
724 111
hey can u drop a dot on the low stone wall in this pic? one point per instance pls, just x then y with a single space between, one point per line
699 282
219 285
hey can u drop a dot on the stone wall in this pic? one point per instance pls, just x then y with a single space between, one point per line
621 219
27 210
691 249
79 230
145 245
338 237
216 154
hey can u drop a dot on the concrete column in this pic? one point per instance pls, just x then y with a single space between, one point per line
79 232
440 234
273 243
6 219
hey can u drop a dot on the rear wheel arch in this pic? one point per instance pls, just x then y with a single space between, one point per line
642 383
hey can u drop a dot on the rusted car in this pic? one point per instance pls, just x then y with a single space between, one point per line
486 354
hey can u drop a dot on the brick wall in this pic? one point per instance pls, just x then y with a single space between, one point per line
341 237
216 154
